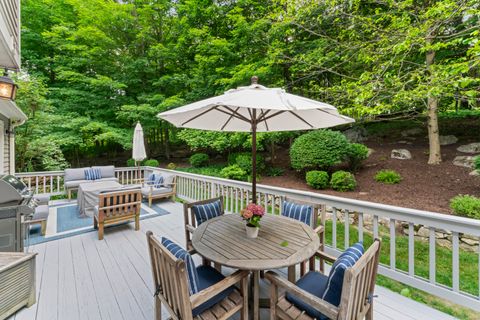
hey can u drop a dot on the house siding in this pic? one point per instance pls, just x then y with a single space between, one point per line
6 145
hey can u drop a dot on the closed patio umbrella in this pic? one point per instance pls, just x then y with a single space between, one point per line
138 150
255 108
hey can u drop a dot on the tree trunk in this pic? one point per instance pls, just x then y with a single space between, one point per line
435 156
167 144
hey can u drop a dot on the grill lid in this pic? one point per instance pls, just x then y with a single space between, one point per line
12 189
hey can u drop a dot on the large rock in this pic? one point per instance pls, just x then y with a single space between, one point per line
470 148
402 154
411 132
463 161
356 134
447 140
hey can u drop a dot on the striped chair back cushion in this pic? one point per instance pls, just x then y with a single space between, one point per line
92 174
151 178
207 211
158 182
183 254
303 213
347 259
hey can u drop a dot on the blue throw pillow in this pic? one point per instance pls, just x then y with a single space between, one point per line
92 174
207 211
298 212
347 259
150 178
183 254
158 183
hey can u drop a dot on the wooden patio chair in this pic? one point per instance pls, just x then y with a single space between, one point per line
356 300
318 225
117 206
172 289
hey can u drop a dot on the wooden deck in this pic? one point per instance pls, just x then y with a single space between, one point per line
83 278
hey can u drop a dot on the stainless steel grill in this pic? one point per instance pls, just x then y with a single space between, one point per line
15 201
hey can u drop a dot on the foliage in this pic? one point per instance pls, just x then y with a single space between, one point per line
317 179
319 149
212 170
356 154
171 166
131 163
466 205
343 181
151 163
476 163
199 160
234 172
44 155
274 172
388 177
244 161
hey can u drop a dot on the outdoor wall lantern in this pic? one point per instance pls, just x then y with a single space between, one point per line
8 88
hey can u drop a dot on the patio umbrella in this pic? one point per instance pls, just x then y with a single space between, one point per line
138 150
255 108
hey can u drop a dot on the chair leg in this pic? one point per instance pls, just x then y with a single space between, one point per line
69 194
217 266
95 223
150 202
369 315
137 222
158 309
273 302
244 289
44 227
100 231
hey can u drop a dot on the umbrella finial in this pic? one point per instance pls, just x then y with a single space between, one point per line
254 80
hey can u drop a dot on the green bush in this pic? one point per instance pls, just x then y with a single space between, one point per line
151 163
320 149
317 179
244 161
131 163
198 160
388 176
171 166
275 172
466 205
476 163
356 154
343 181
212 170
234 172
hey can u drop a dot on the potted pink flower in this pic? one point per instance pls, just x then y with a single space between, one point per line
252 215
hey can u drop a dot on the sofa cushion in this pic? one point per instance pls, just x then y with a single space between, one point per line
347 259
207 277
75 183
183 254
314 283
155 191
300 212
41 212
106 171
42 199
107 179
207 211
167 178
75 174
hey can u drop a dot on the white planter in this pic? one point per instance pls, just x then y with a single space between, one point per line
252 232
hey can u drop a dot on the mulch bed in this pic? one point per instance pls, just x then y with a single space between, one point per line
424 187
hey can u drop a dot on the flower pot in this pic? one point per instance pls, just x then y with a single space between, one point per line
252 232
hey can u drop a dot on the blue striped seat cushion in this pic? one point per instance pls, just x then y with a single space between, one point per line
347 259
92 174
207 211
156 180
303 213
181 253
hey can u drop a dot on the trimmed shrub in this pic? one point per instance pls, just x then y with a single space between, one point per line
388 176
275 172
476 163
320 149
198 160
171 166
234 172
317 179
151 163
131 163
356 154
466 205
244 161
343 181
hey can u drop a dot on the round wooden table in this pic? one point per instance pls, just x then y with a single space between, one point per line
281 242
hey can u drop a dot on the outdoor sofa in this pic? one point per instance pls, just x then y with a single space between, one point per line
74 177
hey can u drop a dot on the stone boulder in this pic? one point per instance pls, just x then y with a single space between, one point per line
463 161
356 134
447 140
411 132
402 154
470 148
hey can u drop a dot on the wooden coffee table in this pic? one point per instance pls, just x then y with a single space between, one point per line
281 242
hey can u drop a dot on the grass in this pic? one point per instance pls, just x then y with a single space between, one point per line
468 267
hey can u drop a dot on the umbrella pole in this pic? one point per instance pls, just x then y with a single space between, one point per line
254 156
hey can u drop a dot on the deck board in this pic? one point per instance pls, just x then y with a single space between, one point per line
83 278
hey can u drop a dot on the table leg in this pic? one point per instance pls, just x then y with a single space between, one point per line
292 274
256 294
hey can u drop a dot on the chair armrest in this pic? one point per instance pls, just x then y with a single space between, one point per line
190 228
319 229
321 305
208 293
323 255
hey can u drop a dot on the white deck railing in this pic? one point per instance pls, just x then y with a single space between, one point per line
345 216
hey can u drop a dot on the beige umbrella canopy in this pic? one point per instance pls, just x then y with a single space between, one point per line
138 150
255 108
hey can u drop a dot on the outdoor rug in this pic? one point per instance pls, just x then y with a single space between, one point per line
69 223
